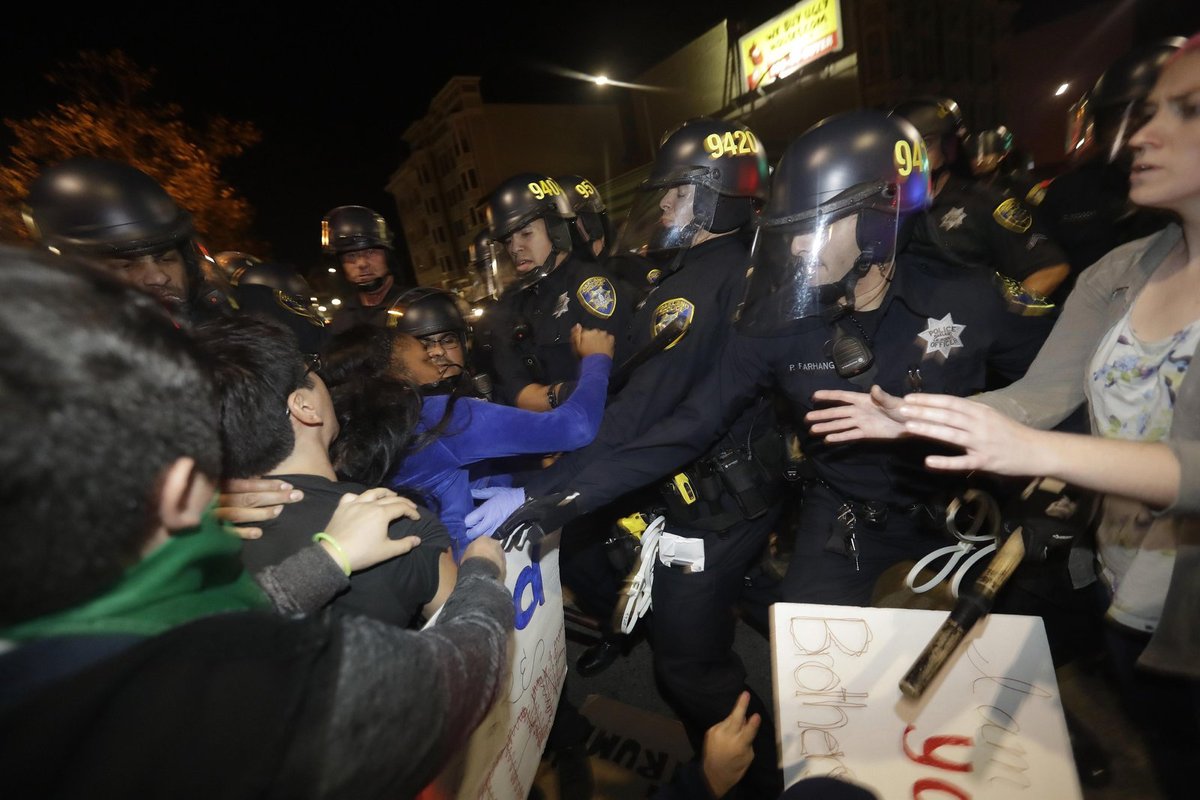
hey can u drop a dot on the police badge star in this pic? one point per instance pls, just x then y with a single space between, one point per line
598 296
942 335
954 218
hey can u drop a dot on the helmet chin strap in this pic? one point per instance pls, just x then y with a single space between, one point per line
372 285
537 273
831 293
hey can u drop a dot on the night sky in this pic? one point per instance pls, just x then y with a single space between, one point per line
332 92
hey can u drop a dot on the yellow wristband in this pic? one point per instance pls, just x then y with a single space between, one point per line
341 557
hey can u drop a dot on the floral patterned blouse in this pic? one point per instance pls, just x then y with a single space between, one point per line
1133 390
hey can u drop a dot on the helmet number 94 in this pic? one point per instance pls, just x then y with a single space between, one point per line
910 156
585 189
546 188
730 143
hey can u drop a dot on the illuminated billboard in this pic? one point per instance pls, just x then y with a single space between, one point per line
785 43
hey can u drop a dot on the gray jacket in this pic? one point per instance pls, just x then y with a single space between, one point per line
1057 382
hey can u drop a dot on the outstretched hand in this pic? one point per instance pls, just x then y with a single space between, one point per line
536 518
992 441
858 415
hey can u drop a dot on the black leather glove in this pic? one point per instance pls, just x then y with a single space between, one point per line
535 518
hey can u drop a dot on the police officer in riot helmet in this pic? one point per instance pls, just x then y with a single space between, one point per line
595 228
276 292
687 199
688 217
841 207
1087 208
360 240
555 288
591 214
972 224
835 301
994 162
118 217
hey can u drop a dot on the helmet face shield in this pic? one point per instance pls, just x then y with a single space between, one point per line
809 267
664 221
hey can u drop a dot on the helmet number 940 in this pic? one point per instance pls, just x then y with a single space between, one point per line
910 156
546 188
585 189
730 143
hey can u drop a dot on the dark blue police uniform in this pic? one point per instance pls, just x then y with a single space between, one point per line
974 225
693 612
1087 211
531 327
940 329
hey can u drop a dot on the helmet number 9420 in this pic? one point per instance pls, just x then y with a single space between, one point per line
730 143
546 188
910 156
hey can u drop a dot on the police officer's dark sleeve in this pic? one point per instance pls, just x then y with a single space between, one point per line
618 321
509 369
1020 245
676 439
1021 325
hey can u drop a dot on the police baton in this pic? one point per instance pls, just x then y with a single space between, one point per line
671 331
970 608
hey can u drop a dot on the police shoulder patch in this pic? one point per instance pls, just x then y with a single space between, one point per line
598 296
653 275
667 312
1020 300
289 303
1013 216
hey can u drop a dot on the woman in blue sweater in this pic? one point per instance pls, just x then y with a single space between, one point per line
456 431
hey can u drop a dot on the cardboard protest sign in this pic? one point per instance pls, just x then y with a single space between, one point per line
990 726
502 756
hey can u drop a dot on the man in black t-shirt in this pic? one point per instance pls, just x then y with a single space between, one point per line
277 419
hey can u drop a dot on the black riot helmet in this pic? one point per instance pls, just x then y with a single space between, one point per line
97 208
277 292
865 165
274 275
1110 112
349 228
939 120
526 197
709 175
425 310
591 213
94 207
987 149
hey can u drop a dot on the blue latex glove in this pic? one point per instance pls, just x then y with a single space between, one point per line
500 502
